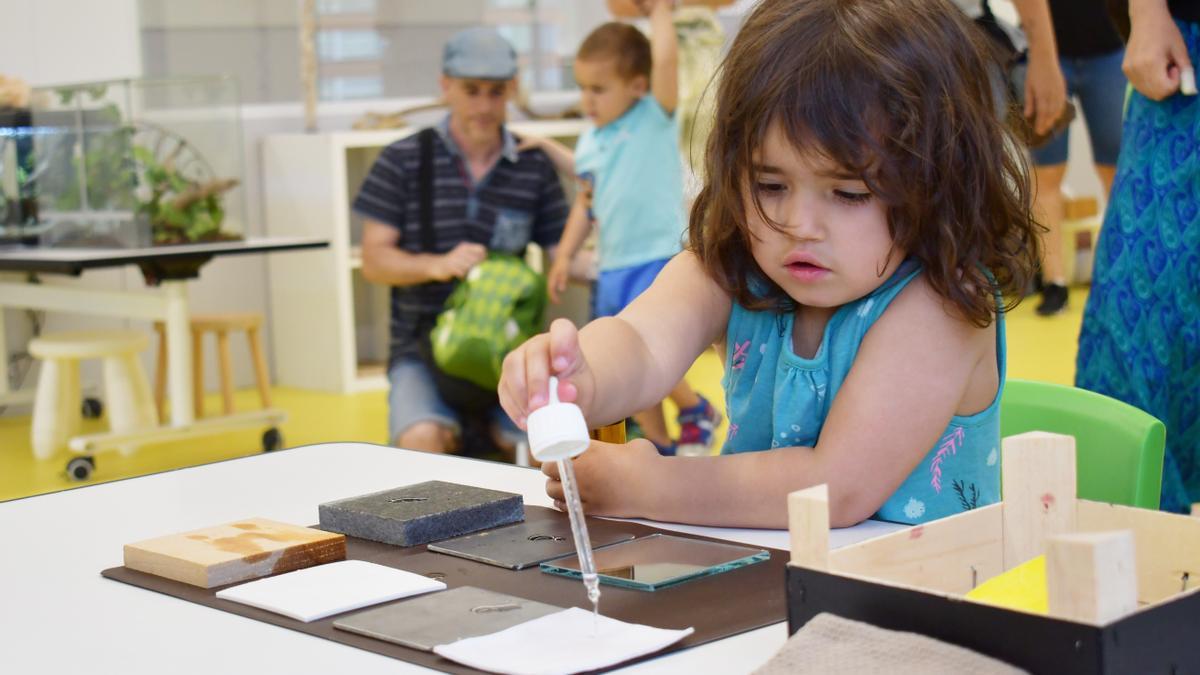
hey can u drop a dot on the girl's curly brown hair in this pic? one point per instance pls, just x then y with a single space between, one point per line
898 92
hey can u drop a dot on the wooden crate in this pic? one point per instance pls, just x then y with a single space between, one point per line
1121 581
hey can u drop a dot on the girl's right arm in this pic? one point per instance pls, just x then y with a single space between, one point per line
616 366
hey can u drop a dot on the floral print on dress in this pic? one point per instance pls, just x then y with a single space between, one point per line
949 446
739 354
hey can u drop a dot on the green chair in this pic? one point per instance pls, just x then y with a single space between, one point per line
1119 448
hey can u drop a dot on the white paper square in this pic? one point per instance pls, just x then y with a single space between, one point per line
563 642
321 591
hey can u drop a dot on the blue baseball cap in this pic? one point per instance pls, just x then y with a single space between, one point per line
479 54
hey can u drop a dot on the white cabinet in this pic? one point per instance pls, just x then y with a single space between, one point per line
329 328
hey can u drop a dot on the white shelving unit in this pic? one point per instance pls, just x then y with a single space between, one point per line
329 326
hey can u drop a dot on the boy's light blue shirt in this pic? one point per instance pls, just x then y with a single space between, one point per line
636 173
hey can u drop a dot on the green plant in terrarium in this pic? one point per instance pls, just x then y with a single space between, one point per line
180 209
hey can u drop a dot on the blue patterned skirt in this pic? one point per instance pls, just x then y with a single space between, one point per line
1140 340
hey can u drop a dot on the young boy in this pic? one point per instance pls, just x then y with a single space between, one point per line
631 179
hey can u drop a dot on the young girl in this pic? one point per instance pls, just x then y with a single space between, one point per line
861 217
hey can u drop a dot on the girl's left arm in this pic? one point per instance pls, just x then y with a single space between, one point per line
917 367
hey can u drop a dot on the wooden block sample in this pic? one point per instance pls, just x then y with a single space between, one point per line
233 552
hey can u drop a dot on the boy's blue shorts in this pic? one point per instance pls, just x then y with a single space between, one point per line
615 289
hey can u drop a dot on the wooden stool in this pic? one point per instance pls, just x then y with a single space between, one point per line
221 324
56 411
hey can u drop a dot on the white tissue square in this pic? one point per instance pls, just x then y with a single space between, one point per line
333 588
563 642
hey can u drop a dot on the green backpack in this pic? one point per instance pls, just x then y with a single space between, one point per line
499 305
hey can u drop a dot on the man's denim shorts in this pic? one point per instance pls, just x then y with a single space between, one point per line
414 398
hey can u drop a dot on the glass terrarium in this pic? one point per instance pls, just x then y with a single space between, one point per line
124 163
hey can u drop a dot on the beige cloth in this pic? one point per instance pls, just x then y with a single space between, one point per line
831 645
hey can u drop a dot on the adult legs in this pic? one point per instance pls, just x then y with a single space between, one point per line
418 418
1048 209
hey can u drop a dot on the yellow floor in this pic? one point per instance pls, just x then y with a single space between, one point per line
1038 348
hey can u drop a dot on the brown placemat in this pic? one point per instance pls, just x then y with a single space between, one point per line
717 606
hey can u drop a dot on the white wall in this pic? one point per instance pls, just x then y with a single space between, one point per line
64 41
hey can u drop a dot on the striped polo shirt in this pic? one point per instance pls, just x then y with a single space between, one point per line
519 200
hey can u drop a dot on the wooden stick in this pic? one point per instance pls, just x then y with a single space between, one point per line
226 364
1038 476
808 522
160 371
260 366
1091 577
197 373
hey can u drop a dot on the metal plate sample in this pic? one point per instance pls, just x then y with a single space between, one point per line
445 617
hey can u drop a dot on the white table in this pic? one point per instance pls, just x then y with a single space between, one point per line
172 266
57 614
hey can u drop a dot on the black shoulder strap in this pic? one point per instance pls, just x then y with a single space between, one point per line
425 188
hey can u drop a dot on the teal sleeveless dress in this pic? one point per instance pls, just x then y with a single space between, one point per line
778 399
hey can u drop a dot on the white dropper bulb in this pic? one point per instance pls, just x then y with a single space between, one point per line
557 430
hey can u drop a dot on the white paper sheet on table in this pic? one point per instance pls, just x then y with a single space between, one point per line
321 591
564 642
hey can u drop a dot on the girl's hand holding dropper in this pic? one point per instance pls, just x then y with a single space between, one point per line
614 479
525 376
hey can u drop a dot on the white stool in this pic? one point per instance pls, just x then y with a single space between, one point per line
56 413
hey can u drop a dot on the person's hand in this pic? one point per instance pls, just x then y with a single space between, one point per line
1045 92
557 278
1156 57
459 261
647 7
529 142
525 374
615 479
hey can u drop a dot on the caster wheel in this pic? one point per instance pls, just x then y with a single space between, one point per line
80 468
272 440
92 408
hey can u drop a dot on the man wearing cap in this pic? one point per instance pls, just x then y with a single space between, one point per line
488 195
